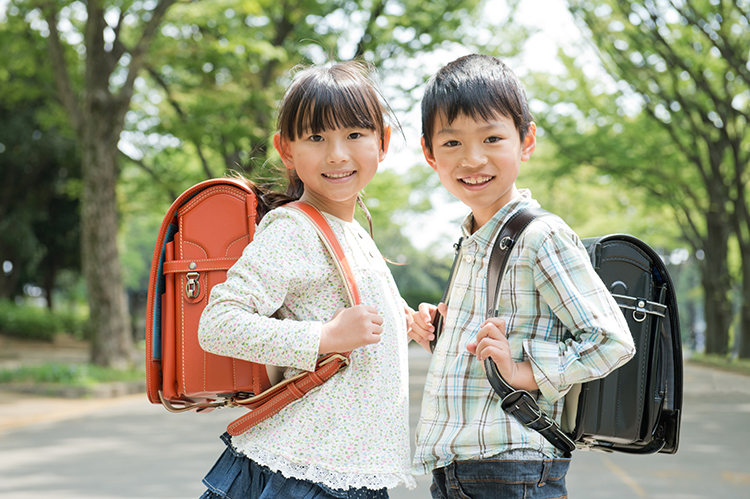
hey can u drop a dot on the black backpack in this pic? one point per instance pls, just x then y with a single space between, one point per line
636 409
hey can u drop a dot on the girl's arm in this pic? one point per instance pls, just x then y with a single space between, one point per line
283 267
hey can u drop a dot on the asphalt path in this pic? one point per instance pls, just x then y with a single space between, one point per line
126 448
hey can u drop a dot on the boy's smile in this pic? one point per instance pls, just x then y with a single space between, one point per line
479 161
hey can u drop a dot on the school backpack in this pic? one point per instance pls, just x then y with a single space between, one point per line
202 235
635 409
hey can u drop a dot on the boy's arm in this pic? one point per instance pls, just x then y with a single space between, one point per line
599 339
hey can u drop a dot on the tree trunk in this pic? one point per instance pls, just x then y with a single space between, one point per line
717 286
113 341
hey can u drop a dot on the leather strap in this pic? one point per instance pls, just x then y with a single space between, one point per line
202 265
270 402
519 403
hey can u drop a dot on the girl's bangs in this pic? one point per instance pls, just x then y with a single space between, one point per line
325 109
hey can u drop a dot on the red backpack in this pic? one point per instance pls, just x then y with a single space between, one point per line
203 234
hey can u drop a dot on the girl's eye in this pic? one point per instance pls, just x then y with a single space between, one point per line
355 135
316 138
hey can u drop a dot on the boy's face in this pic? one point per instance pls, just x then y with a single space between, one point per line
479 161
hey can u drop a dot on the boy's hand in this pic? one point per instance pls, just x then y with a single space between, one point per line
422 330
351 328
491 342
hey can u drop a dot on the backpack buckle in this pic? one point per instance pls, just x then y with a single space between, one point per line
193 286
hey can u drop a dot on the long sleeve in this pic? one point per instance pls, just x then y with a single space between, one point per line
598 340
271 308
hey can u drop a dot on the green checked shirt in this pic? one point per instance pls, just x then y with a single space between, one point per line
558 315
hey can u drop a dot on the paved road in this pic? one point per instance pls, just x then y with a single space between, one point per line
125 448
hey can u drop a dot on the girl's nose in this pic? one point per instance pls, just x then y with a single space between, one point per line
337 152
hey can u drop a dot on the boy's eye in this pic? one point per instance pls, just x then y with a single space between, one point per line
452 143
492 140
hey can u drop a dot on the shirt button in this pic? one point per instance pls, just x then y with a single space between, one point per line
469 259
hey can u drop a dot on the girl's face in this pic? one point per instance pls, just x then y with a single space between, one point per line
335 165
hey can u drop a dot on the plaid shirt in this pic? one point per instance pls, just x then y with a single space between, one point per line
558 315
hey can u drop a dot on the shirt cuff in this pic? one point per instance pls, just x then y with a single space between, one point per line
551 384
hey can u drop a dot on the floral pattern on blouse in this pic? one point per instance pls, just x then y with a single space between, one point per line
354 430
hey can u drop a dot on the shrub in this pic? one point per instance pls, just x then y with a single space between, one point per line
68 374
36 323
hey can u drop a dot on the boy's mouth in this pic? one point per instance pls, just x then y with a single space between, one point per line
476 180
339 175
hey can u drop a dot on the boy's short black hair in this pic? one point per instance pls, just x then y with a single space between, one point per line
478 86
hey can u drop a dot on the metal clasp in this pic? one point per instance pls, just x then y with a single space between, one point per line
193 286
640 308
506 243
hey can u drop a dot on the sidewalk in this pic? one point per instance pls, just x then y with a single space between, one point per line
28 405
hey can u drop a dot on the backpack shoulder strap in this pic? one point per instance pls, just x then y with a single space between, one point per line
518 403
504 242
323 228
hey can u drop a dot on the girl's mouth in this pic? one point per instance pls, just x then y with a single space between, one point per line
476 180
339 175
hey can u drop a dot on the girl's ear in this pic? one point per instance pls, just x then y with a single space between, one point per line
385 142
529 142
282 147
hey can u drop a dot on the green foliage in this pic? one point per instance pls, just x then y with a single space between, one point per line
68 374
39 229
35 323
392 199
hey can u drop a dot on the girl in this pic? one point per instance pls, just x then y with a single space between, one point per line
283 304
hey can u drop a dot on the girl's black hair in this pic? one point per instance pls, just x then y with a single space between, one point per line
321 98
478 86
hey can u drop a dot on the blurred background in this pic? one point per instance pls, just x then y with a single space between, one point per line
109 109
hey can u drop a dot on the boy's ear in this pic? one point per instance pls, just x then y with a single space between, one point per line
428 155
385 142
529 142
282 147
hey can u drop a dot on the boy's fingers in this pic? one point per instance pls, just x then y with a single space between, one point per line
443 309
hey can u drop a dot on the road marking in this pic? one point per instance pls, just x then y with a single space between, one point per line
622 475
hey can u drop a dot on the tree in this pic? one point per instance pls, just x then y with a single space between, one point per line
39 229
100 50
683 66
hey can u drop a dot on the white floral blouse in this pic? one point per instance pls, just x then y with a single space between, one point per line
354 430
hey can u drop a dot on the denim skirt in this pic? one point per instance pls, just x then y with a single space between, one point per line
234 476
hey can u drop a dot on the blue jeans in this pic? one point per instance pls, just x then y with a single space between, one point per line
234 476
505 476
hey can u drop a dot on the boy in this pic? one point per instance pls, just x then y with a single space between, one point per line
557 323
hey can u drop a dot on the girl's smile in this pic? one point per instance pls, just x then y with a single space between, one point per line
335 165
339 175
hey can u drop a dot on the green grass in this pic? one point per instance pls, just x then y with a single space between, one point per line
740 366
68 374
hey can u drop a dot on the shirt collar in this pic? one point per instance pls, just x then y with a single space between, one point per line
487 233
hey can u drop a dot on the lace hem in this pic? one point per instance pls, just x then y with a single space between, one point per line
332 479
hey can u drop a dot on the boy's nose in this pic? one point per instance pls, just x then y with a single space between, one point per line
474 158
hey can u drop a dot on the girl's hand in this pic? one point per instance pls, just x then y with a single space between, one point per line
351 328
422 330
492 343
